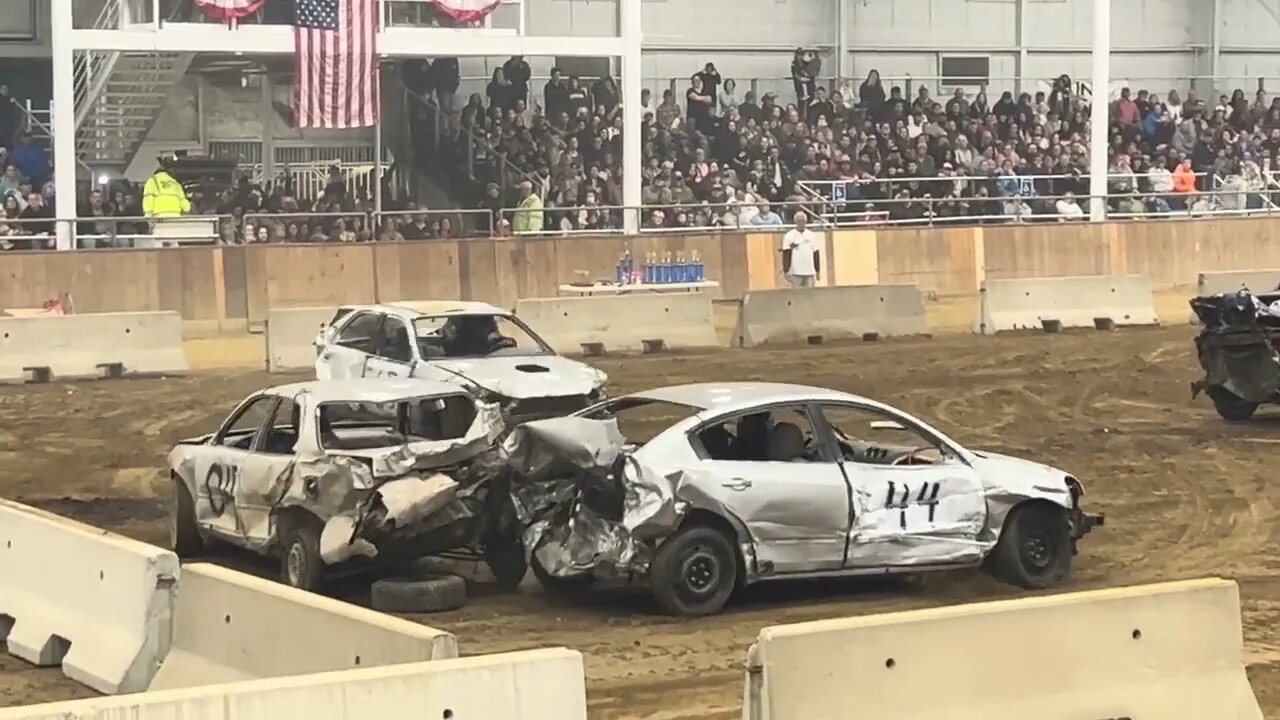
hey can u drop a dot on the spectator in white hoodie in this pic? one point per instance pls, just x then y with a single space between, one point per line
1068 208
1160 178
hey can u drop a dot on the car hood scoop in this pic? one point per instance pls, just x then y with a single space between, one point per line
529 368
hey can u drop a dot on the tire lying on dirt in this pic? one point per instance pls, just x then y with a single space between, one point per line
694 572
419 595
1231 407
1035 548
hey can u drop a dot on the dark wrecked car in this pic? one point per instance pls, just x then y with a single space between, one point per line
1237 349
698 490
335 476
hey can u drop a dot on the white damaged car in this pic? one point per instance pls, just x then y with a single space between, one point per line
336 476
473 344
699 490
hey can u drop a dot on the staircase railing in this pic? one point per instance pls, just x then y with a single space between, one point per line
33 122
91 68
473 140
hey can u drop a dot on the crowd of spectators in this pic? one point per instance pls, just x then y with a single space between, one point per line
718 156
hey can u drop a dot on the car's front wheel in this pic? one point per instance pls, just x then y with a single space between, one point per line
184 533
1035 548
694 572
1231 407
300 562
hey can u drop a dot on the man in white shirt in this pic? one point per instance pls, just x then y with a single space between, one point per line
800 250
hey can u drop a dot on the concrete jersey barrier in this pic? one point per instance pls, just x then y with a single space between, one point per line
1229 281
622 322
532 685
291 333
1172 651
96 603
231 626
832 313
1025 304
96 345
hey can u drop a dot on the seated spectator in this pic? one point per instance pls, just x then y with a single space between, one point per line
1068 208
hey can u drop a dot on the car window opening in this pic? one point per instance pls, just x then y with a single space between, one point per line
781 435
475 336
367 425
640 420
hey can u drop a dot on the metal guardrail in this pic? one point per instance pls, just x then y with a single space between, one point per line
390 226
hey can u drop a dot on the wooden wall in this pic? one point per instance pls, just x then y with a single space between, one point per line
240 283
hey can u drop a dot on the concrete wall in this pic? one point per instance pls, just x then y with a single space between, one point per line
239 283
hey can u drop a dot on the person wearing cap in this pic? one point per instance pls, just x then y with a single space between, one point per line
163 196
800 254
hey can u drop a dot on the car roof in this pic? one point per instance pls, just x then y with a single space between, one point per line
731 396
365 389
410 309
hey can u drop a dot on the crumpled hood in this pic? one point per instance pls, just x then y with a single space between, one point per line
1002 472
530 376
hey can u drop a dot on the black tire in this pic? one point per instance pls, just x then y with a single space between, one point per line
694 572
507 561
300 563
559 586
1231 407
184 533
419 595
1035 548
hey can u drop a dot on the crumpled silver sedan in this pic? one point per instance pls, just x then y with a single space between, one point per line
338 475
699 490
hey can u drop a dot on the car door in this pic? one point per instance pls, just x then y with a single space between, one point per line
346 354
239 479
795 508
904 514
393 354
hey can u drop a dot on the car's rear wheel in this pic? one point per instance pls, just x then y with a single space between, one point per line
184 533
694 572
300 563
1231 407
1035 548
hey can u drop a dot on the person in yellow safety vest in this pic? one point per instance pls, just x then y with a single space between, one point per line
163 196
529 217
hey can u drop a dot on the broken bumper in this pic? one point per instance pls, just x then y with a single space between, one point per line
1083 523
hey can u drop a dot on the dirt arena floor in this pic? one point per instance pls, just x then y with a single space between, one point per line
1186 495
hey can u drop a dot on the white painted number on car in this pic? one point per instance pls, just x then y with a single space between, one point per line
220 484
900 497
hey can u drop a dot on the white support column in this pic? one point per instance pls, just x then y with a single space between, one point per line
1020 63
63 121
844 60
1215 51
268 114
632 37
1099 125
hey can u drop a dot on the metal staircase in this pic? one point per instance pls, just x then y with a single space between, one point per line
119 96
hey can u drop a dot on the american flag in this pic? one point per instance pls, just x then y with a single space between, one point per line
336 82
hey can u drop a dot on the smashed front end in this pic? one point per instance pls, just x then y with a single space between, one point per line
1238 350
588 506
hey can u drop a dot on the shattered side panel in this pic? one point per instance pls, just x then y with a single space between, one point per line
369 498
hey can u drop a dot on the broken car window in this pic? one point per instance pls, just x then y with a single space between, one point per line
365 426
240 431
783 434
395 341
475 336
641 420
875 438
359 333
